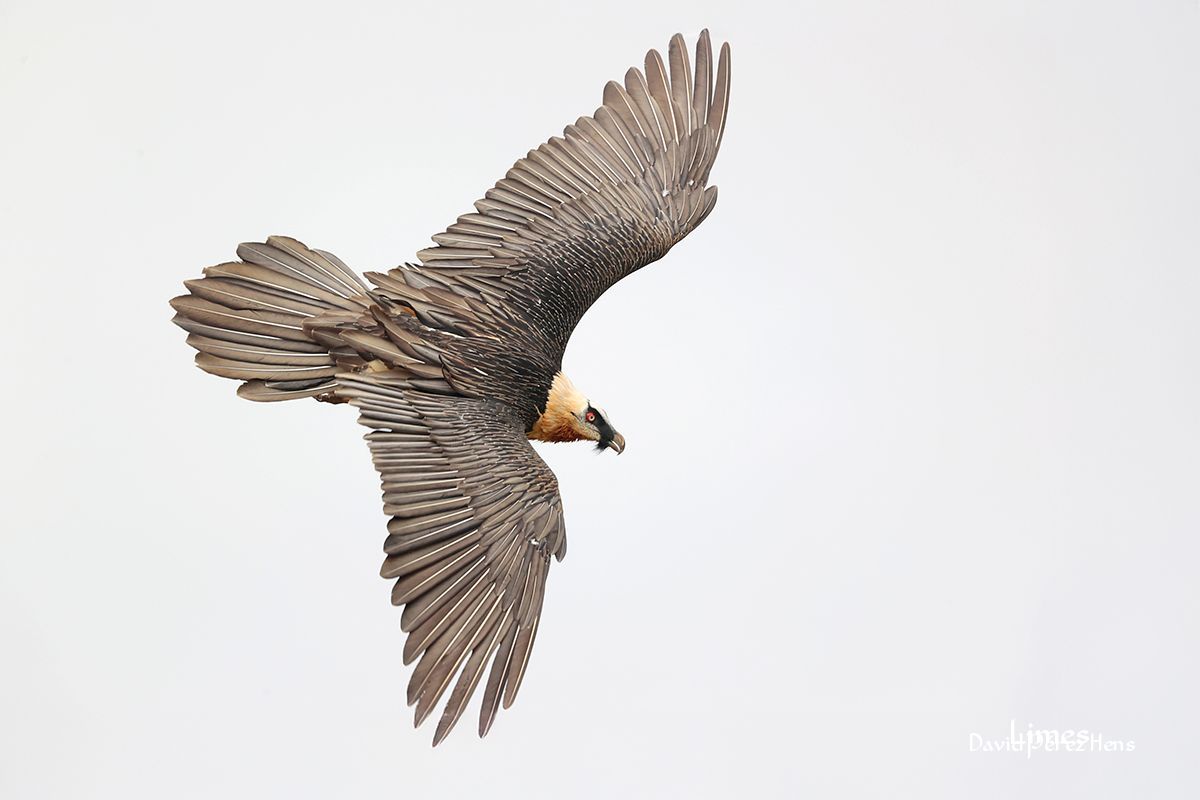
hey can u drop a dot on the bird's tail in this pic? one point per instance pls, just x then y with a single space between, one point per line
259 320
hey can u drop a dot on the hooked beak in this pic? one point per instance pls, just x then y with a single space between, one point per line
617 443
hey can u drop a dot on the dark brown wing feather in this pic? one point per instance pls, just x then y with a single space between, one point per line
569 220
476 516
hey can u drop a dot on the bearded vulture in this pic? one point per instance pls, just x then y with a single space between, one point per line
455 363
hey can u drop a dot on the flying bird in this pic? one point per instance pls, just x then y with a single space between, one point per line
455 363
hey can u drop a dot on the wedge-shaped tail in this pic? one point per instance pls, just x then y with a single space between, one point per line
253 320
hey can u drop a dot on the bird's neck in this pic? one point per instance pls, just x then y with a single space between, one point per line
560 421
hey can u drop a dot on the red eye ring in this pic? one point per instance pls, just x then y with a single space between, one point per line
591 416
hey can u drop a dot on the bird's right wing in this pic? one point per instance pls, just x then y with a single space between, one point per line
475 517
580 212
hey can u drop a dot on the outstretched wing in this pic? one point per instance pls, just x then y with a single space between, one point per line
584 210
476 516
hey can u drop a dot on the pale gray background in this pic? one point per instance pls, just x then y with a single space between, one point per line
912 419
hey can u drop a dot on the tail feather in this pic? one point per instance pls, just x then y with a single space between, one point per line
251 320
312 267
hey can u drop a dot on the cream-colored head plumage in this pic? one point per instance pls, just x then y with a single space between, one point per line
570 417
562 421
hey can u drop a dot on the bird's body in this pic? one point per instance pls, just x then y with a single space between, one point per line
455 363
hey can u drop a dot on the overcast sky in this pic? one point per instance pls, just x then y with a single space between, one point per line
913 441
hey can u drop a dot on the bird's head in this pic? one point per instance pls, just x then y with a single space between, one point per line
571 417
594 426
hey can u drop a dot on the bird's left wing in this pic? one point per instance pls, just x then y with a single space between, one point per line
615 192
475 517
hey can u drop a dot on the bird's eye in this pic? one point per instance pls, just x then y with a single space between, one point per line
591 416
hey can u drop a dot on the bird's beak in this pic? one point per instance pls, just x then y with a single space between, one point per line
617 443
